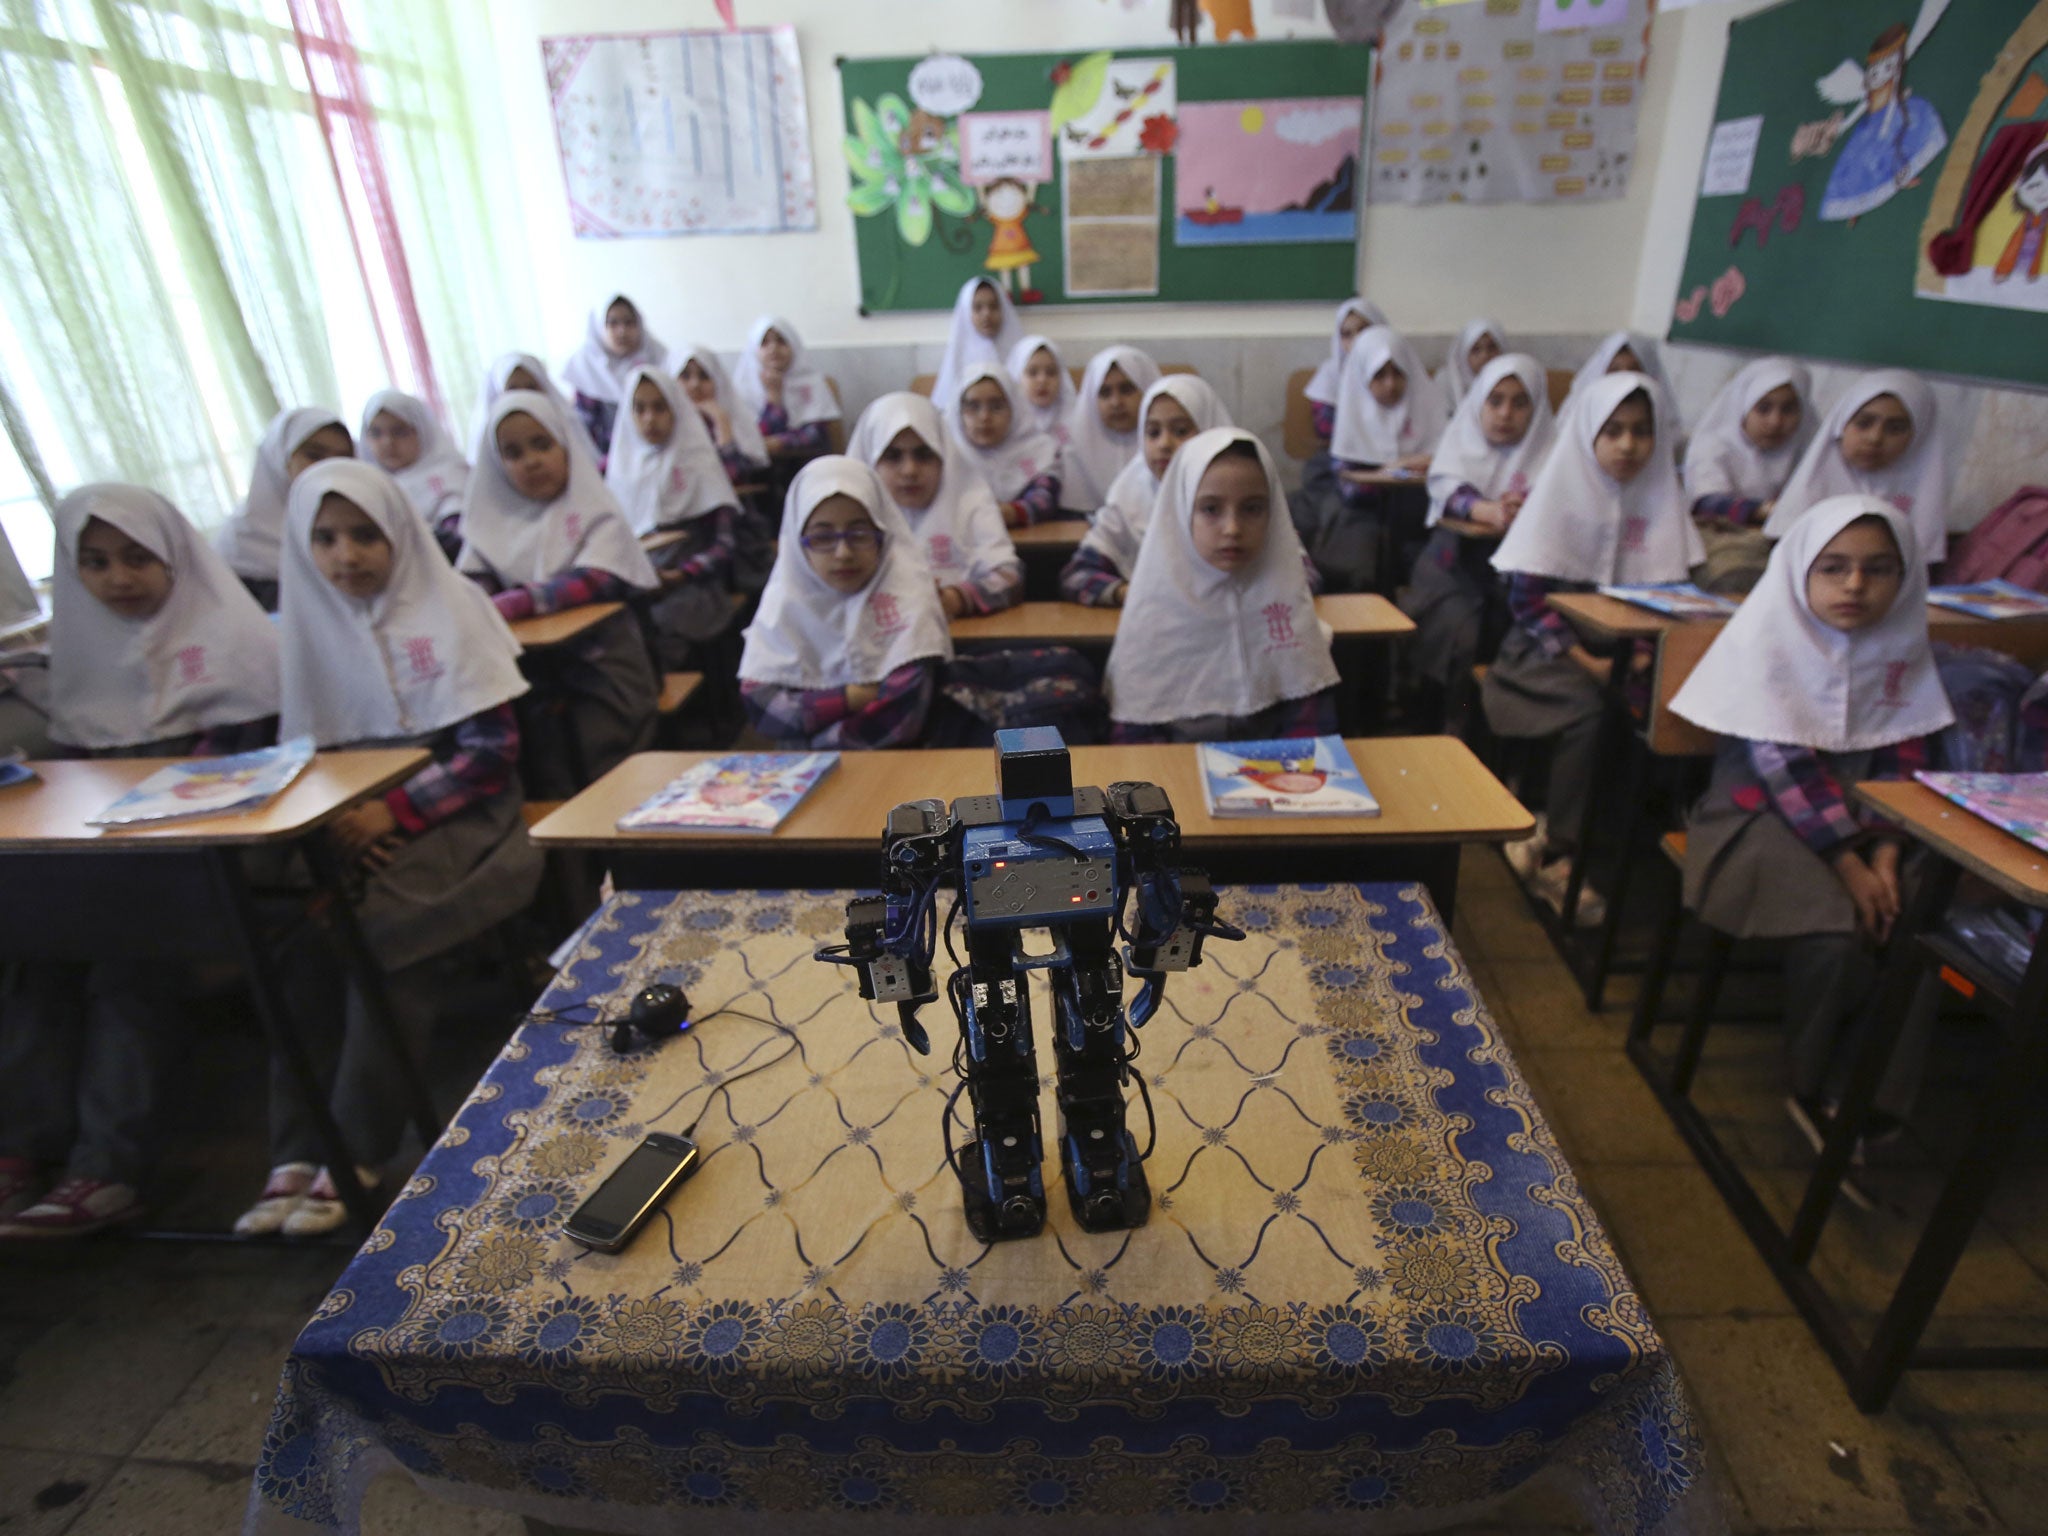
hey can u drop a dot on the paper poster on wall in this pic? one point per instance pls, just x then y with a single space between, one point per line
1985 238
1112 227
1258 172
995 146
1565 15
1476 105
682 133
1731 156
1132 115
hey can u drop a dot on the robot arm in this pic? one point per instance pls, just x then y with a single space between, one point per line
1176 904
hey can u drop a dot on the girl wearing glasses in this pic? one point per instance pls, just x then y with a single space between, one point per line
850 636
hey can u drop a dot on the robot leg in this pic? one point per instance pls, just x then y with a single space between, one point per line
1106 1183
999 1170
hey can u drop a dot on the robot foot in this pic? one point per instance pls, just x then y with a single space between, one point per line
1021 1213
1102 1204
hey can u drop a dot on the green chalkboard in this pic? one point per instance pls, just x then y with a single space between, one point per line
1879 242
1261 140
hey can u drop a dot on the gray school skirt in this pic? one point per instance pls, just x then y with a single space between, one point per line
1528 693
455 881
1747 873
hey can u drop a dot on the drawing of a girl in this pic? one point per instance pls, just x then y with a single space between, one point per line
1897 136
1004 204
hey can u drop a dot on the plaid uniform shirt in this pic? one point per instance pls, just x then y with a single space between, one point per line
739 469
1800 784
576 587
1529 602
472 762
1736 511
715 558
1040 501
1090 577
805 442
995 589
1322 415
819 718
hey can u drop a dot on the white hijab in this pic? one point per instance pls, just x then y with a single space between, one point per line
965 346
1580 524
248 540
1722 461
805 635
806 397
1669 427
18 603
1465 457
1370 433
521 541
593 372
1330 371
1779 673
1197 641
207 658
1118 529
961 532
426 653
1456 375
439 475
1094 454
481 445
1916 485
1046 418
682 479
746 431
1019 458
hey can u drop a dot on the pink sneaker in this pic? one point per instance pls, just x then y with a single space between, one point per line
21 1180
73 1209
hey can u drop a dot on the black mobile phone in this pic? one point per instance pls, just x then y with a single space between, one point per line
629 1194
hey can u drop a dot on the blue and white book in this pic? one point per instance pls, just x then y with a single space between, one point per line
211 786
737 792
1991 600
1304 776
1680 599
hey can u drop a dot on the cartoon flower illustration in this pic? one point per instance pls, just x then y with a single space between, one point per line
1159 134
912 172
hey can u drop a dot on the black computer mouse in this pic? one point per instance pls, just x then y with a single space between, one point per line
656 1013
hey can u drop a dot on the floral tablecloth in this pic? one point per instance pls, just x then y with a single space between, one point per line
1370 1296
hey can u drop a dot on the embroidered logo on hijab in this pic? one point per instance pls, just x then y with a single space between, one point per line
942 549
887 611
1632 531
419 655
1279 623
572 527
1894 684
192 664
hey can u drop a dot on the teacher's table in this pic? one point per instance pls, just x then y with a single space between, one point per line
1434 797
1370 1297
1356 618
1045 549
56 870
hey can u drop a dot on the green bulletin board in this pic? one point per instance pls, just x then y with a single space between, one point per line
1217 174
1868 227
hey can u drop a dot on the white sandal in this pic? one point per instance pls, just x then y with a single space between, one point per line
320 1210
281 1196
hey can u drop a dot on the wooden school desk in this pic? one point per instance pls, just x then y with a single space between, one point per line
55 869
1353 615
544 631
1434 796
1045 549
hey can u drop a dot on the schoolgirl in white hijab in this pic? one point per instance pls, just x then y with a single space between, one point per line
1466 456
523 543
1053 418
1025 455
739 433
426 653
1323 385
806 396
1095 455
1198 645
961 530
1650 360
807 636
1457 373
1580 525
497 380
666 486
1722 460
1370 433
1108 552
595 371
204 661
1827 689
1915 483
248 540
434 481
966 346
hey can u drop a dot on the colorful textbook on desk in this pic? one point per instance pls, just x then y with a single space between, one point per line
211 786
1680 599
1305 776
739 792
1991 600
2013 802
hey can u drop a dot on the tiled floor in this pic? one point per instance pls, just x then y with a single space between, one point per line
135 1377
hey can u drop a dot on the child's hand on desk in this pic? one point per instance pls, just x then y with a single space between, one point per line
1414 463
860 695
953 600
1118 593
363 832
1489 514
1876 898
1013 516
1510 505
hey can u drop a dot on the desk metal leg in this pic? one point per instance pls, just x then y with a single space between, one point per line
369 976
1617 890
279 1029
1614 719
